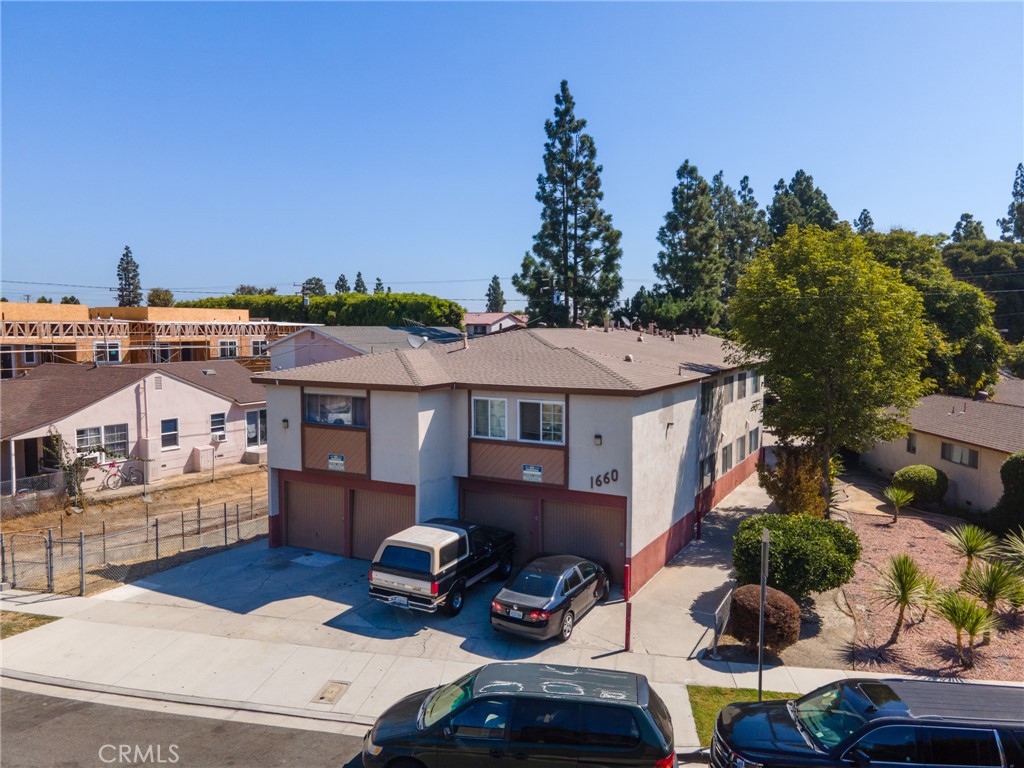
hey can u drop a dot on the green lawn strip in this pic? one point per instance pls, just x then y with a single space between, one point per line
13 622
707 702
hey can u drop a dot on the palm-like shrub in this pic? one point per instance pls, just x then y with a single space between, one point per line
993 583
932 592
965 614
970 542
1012 548
903 586
898 497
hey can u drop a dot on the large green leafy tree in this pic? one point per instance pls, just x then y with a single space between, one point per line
245 289
839 337
964 347
967 229
495 296
800 203
129 287
691 263
572 273
997 268
314 286
159 297
1012 226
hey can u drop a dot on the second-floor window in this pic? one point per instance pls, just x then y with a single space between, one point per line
728 390
960 454
754 441
707 396
337 410
228 348
489 418
259 347
105 352
706 471
541 421
741 386
755 382
726 458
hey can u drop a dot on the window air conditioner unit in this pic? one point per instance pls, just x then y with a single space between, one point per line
220 437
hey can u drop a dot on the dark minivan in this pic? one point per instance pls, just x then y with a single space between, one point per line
872 722
541 715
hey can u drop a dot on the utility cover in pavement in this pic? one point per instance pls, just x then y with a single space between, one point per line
331 692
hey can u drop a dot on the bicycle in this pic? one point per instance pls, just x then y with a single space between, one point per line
118 476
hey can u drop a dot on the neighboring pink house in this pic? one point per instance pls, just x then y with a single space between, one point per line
482 323
322 344
171 418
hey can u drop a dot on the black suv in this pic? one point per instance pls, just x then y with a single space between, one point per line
539 715
870 722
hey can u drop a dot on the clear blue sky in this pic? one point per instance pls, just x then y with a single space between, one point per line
264 143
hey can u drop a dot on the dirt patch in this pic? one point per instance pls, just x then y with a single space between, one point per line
128 507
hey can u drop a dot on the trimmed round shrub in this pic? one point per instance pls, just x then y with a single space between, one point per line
806 554
927 483
781 617
1008 513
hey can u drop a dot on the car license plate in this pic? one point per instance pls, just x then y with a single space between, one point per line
401 602
516 614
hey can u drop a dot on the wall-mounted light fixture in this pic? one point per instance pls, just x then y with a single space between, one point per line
598 440
284 423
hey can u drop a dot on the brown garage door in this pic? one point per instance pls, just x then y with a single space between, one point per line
588 531
375 516
315 517
502 510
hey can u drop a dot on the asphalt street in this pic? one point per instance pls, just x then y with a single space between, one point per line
45 732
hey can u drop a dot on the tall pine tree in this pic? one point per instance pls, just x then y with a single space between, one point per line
692 263
1012 226
968 228
495 296
129 287
864 223
572 273
360 286
378 286
341 284
743 225
800 203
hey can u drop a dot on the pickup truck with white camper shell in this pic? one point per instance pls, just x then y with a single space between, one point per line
431 565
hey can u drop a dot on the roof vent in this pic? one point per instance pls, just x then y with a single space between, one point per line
629 358
209 372
981 396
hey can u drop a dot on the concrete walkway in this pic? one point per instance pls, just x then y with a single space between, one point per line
270 631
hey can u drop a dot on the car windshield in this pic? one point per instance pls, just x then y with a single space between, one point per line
831 714
533 583
447 699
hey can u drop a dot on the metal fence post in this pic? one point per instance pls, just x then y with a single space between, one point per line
62 537
225 523
199 522
3 561
250 502
104 541
81 563
49 559
147 522
156 531
238 527
183 530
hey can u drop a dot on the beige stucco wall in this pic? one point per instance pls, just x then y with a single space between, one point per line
438 492
968 487
394 437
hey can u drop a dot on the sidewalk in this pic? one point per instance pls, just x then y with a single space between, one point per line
288 632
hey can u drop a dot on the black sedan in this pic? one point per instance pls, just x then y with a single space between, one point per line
547 596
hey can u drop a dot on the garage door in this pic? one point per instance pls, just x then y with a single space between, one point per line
502 510
375 516
598 533
315 517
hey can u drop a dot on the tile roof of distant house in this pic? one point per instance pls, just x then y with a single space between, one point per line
1009 389
985 424
546 359
369 339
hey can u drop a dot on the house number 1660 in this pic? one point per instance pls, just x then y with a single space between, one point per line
596 481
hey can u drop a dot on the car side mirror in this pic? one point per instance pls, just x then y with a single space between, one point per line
860 758
447 733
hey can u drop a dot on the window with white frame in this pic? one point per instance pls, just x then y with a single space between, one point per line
912 442
541 421
960 454
489 416
169 433
741 386
755 439
729 389
106 352
228 348
259 347
726 458
337 410
741 448
113 438
256 428
218 423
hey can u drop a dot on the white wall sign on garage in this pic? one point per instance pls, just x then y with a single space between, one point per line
533 473
336 462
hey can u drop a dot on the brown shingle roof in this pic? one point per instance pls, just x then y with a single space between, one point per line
989 425
1009 389
231 379
54 391
548 359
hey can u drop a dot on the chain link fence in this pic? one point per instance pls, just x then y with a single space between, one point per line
99 559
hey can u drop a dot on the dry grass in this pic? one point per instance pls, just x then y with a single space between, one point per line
13 622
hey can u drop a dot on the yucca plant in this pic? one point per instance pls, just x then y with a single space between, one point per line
898 497
970 542
1012 548
993 583
932 591
965 614
902 587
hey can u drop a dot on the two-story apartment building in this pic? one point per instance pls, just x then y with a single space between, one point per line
602 443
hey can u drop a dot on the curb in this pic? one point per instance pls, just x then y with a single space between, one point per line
700 755
243 706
